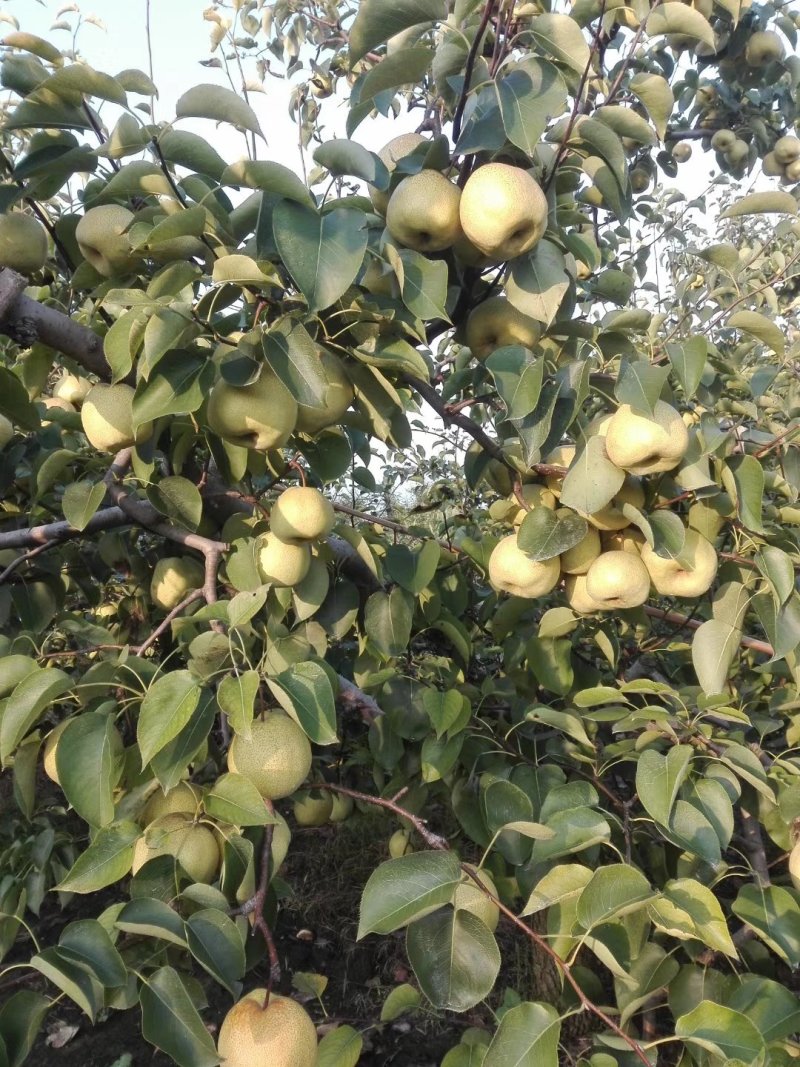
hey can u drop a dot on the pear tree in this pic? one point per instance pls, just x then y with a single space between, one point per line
446 487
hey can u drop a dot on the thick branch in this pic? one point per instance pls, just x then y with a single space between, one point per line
52 532
449 416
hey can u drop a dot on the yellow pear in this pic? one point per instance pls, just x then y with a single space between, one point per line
794 865
174 577
561 456
535 496
511 571
261 415
674 578
580 557
49 402
338 397
72 388
276 759
618 580
644 445
399 844
23 243
342 807
280 563
503 211
762 48
301 513
103 240
495 323
786 150
183 799
423 212
771 167
628 539
681 152
577 597
723 140
107 418
390 155
50 747
193 846
283 1035
468 897
611 516
312 808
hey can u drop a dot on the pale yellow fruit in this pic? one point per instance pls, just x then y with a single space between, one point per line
281 1036
503 211
72 388
276 759
468 897
107 418
49 753
301 513
535 496
6 431
261 415
682 151
193 846
312 808
391 153
338 397
611 517
280 563
183 799
342 807
786 150
511 571
561 456
626 540
577 597
770 166
174 577
49 402
281 839
495 323
103 240
399 844
580 557
644 445
640 179
762 48
738 153
618 580
690 579
723 140
23 243
794 865
423 212
792 171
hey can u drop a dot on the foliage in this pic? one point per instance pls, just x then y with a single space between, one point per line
627 777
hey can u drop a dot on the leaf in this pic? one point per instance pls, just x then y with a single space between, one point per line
149 917
721 1031
234 799
169 764
167 707
539 282
304 691
388 620
78 79
592 480
573 830
402 890
698 902
403 998
675 17
71 979
777 201
560 36
89 945
106 859
35 692
178 499
236 696
715 645
206 101
295 358
761 327
404 67
659 778
688 359
343 156
376 22
271 178
613 890
656 95
748 489
89 765
533 93
37 46
774 914
80 501
640 385
413 569
455 958
777 567
15 404
544 534
517 377
323 253
178 385
424 286
216 944
527 1036
340 1048
442 708
170 1020
21 1018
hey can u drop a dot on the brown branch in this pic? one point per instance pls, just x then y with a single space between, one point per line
54 532
139 650
255 905
354 699
440 406
431 839
753 845
24 558
695 624
472 56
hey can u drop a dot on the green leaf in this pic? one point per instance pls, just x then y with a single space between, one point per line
216 944
640 385
539 282
777 201
592 480
777 567
89 765
759 326
21 1018
271 178
71 979
527 1036
35 692
530 96
80 501
388 620
340 1048
106 860
613 891
88 944
323 253
518 378
403 890
193 152
442 708
170 1020
774 914
234 799
236 696
573 830
560 36
748 489
15 404
455 958
167 707
78 79
408 65
626 122
688 359
37 46
169 764
178 499
659 778
675 17
294 356
178 385
403 998
715 645
413 569
544 534
656 95
206 101
721 1031
697 902
343 156
304 691
149 917
651 971
376 22
424 286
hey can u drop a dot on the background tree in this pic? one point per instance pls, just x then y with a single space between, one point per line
566 677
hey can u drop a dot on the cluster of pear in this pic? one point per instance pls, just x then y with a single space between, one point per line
733 150
300 516
500 214
613 567
784 160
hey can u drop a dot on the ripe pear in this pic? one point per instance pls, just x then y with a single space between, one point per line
183 799
338 397
503 211
300 514
577 597
261 415
628 539
681 152
618 580
738 153
580 557
281 1036
535 496
390 155
495 323
174 577
511 571
762 48
107 418
342 808
399 844
469 898
786 150
611 517
49 402
723 140
6 431
193 846
644 445
280 563
640 179
50 747
791 172
312 808
276 759
72 388
23 243
794 865
423 212
672 578
103 240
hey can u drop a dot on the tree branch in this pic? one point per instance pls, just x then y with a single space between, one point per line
354 699
695 624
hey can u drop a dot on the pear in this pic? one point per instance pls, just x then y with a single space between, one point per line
495 323
399 844
174 577
312 808
6 431
511 571
723 140
617 580
503 211
183 799
72 388
690 578
103 240
642 444
23 243
763 48
261 415
468 897
193 846
786 150
300 514
341 808
338 397
107 418
580 557
390 155
276 759
281 563
50 748
611 517
423 212
577 597
283 1035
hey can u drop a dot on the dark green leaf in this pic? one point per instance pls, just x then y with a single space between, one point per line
402 890
206 101
323 253
376 22
80 501
89 765
170 1021
216 944
544 534
30 697
106 860
526 1037
304 691
455 958
532 94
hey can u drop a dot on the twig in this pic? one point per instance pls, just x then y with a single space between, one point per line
355 699
472 56
196 594
695 624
